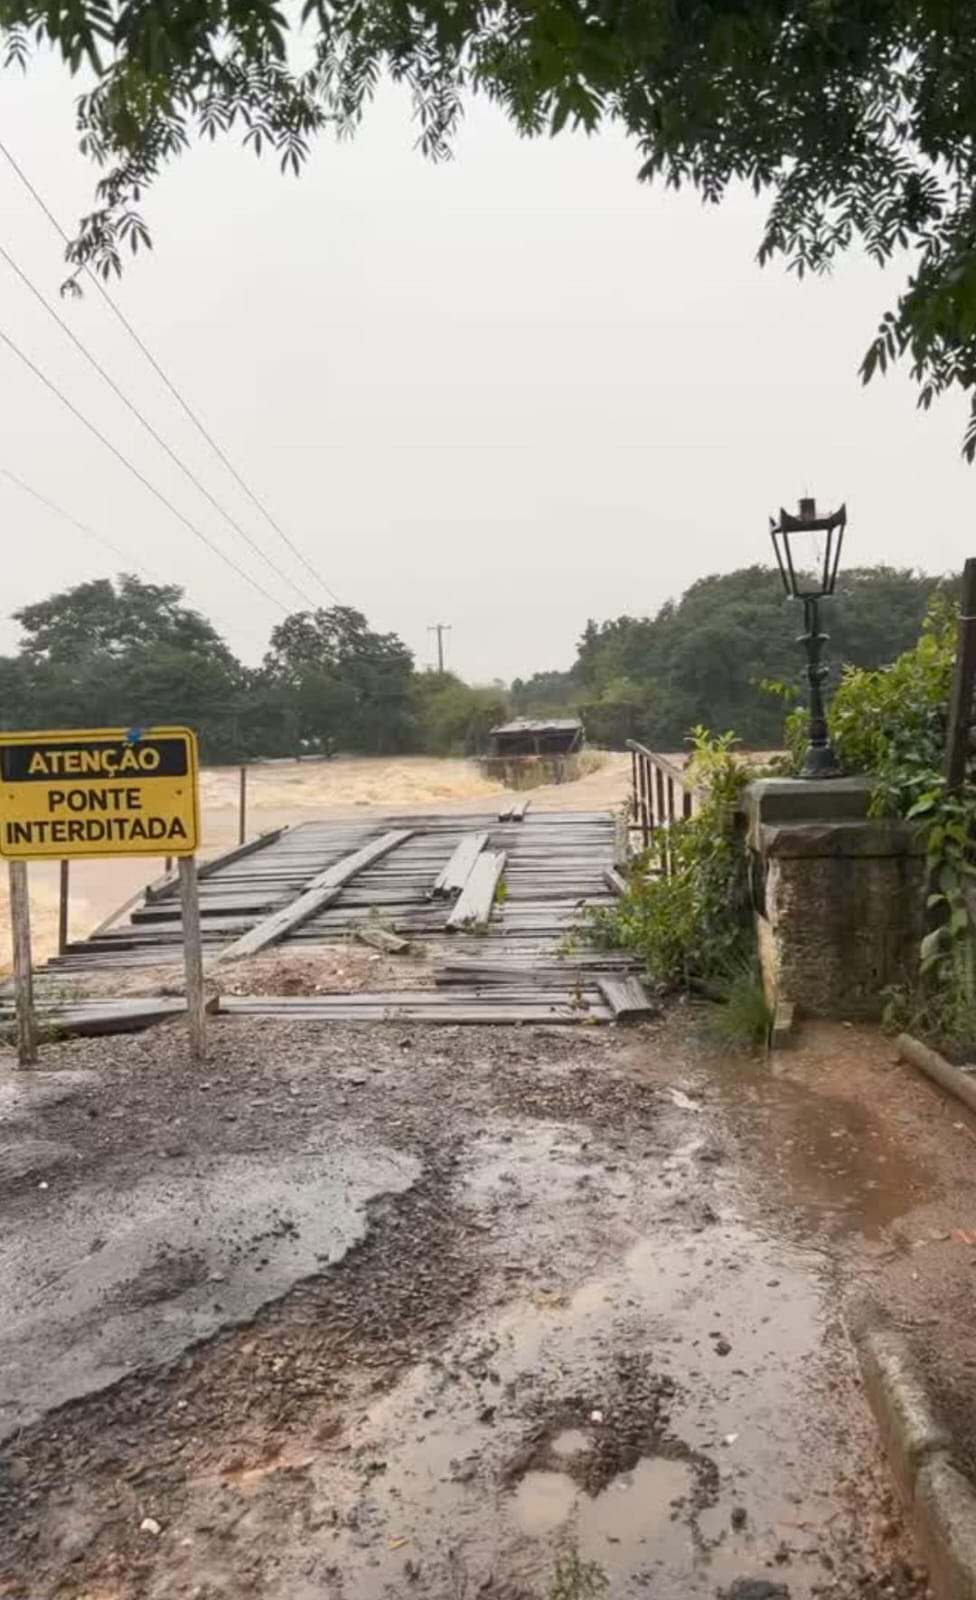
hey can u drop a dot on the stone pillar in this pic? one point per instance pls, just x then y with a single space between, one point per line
838 896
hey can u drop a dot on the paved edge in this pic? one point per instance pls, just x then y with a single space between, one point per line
937 1068
940 1499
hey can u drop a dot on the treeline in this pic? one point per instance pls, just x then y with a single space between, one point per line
131 654
705 658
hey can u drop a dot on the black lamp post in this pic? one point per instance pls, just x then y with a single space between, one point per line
807 552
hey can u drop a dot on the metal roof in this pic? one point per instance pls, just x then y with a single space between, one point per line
525 725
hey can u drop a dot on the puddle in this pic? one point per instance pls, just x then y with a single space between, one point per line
629 1415
836 1163
635 1508
543 1501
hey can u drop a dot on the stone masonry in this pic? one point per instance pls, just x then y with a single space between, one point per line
838 897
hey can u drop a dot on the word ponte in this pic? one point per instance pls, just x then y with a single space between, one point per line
101 792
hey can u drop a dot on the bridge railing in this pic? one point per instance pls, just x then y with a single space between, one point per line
659 795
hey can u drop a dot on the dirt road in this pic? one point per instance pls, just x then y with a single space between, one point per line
378 1312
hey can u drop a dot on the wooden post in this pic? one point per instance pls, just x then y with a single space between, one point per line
63 906
242 816
23 971
963 681
193 958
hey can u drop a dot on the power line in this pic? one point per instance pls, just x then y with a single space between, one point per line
92 533
174 391
187 473
197 532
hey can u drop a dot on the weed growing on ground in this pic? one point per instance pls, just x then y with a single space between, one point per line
576 1579
741 1018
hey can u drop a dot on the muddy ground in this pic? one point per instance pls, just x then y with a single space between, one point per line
374 1312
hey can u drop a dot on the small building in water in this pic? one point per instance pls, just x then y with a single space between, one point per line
527 752
559 736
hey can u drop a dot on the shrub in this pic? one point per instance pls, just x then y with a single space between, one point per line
890 724
692 926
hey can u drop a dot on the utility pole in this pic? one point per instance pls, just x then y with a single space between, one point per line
440 628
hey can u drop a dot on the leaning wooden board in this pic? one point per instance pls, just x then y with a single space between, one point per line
328 885
98 1017
455 874
626 997
475 902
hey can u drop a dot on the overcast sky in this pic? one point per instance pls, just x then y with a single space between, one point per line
509 393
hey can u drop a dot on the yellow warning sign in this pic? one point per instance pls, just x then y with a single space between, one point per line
98 792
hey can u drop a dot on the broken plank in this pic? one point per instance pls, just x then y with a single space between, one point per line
382 939
95 1018
626 997
455 874
615 880
475 902
320 892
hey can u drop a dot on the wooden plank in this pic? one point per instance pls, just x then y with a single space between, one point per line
626 997
322 890
518 976
428 999
334 1008
621 837
477 898
615 880
519 810
382 939
94 1018
454 876
505 813
169 882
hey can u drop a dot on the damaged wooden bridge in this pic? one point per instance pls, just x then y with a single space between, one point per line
488 906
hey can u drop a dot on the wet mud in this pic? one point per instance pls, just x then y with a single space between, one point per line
598 1310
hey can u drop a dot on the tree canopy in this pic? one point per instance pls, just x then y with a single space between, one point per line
703 660
858 120
130 653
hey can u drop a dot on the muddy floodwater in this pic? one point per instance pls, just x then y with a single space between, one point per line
287 792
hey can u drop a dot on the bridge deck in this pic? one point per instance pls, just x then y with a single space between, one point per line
524 958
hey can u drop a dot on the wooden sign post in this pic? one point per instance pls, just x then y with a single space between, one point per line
193 958
23 969
99 792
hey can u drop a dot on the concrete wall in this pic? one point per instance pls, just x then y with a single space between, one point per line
838 898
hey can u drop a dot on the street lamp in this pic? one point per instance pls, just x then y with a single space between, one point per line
807 550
